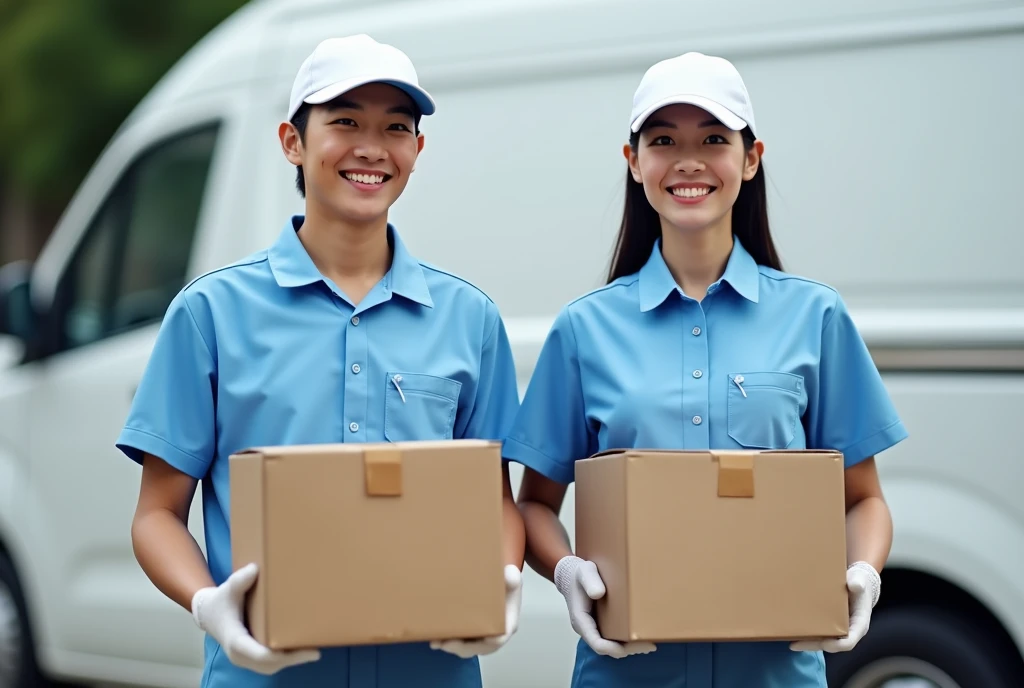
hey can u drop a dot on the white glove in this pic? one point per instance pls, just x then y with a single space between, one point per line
581 584
218 611
865 585
485 646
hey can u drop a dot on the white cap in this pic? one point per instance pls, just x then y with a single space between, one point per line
710 83
338 65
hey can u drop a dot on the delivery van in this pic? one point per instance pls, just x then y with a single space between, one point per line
891 134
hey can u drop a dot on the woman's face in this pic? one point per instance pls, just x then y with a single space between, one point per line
691 166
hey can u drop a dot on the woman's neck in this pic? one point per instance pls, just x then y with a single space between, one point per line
697 259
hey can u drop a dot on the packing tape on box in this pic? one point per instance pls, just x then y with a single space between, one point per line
735 475
383 469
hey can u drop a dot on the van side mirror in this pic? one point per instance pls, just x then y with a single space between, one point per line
16 314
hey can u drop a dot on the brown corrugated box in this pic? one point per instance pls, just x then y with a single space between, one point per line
370 543
715 545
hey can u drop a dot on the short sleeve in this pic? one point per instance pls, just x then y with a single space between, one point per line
496 400
850 409
551 431
172 415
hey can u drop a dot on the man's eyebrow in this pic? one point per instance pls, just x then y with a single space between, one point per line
342 104
402 110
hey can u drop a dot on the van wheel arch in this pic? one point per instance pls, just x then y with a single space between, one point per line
11 584
908 593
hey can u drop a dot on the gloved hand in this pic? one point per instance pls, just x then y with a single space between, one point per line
218 611
485 646
864 585
580 584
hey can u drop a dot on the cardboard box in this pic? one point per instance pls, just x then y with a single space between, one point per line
715 546
370 543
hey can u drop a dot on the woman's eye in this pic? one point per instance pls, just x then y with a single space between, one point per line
345 121
716 138
662 141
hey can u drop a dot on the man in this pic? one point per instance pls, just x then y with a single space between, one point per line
300 343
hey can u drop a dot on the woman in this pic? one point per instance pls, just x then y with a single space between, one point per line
697 305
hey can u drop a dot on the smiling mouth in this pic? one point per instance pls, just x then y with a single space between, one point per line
367 179
692 192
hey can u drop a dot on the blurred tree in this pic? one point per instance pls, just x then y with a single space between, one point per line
71 71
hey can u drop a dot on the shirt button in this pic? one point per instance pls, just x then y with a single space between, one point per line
354 427
356 368
697 374
355 319
697 420
696 332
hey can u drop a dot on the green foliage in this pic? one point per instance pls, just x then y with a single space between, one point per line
72 70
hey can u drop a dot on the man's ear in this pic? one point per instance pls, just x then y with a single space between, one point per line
291 142
634 166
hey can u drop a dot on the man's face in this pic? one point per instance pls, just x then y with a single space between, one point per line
358 152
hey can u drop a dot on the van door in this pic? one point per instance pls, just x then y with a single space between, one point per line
117 278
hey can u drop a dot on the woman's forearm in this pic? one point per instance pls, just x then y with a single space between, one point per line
546 539
869 532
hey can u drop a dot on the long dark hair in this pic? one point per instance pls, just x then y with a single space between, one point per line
641 224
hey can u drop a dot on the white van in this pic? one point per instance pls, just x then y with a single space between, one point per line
892 135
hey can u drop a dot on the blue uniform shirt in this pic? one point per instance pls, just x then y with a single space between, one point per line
267 351
766 360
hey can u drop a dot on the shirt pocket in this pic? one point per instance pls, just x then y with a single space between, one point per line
764 408
419 407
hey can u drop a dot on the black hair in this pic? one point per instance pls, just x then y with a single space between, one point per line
641 225
301 120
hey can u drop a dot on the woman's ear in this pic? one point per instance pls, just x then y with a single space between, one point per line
634 167
420 141
753 160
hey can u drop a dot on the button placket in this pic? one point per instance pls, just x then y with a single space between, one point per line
696 395
355 383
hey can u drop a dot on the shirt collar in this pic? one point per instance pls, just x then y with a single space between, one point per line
657 283
292 266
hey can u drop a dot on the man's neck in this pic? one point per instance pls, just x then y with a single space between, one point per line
353 256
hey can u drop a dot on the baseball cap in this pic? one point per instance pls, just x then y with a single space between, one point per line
338 65
710 83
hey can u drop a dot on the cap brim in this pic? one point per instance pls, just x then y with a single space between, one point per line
424 102
717 110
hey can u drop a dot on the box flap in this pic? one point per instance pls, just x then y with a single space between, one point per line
359 447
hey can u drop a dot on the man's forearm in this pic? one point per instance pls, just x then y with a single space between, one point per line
170 556
513 532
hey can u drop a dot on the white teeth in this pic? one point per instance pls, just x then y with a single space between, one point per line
364 178
691 193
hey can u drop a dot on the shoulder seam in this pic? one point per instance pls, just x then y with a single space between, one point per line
604 287
782 276
440 271
258 258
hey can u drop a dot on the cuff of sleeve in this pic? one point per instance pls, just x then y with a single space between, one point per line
875 444
514 450
134 443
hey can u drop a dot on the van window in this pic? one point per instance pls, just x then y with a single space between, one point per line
134 257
